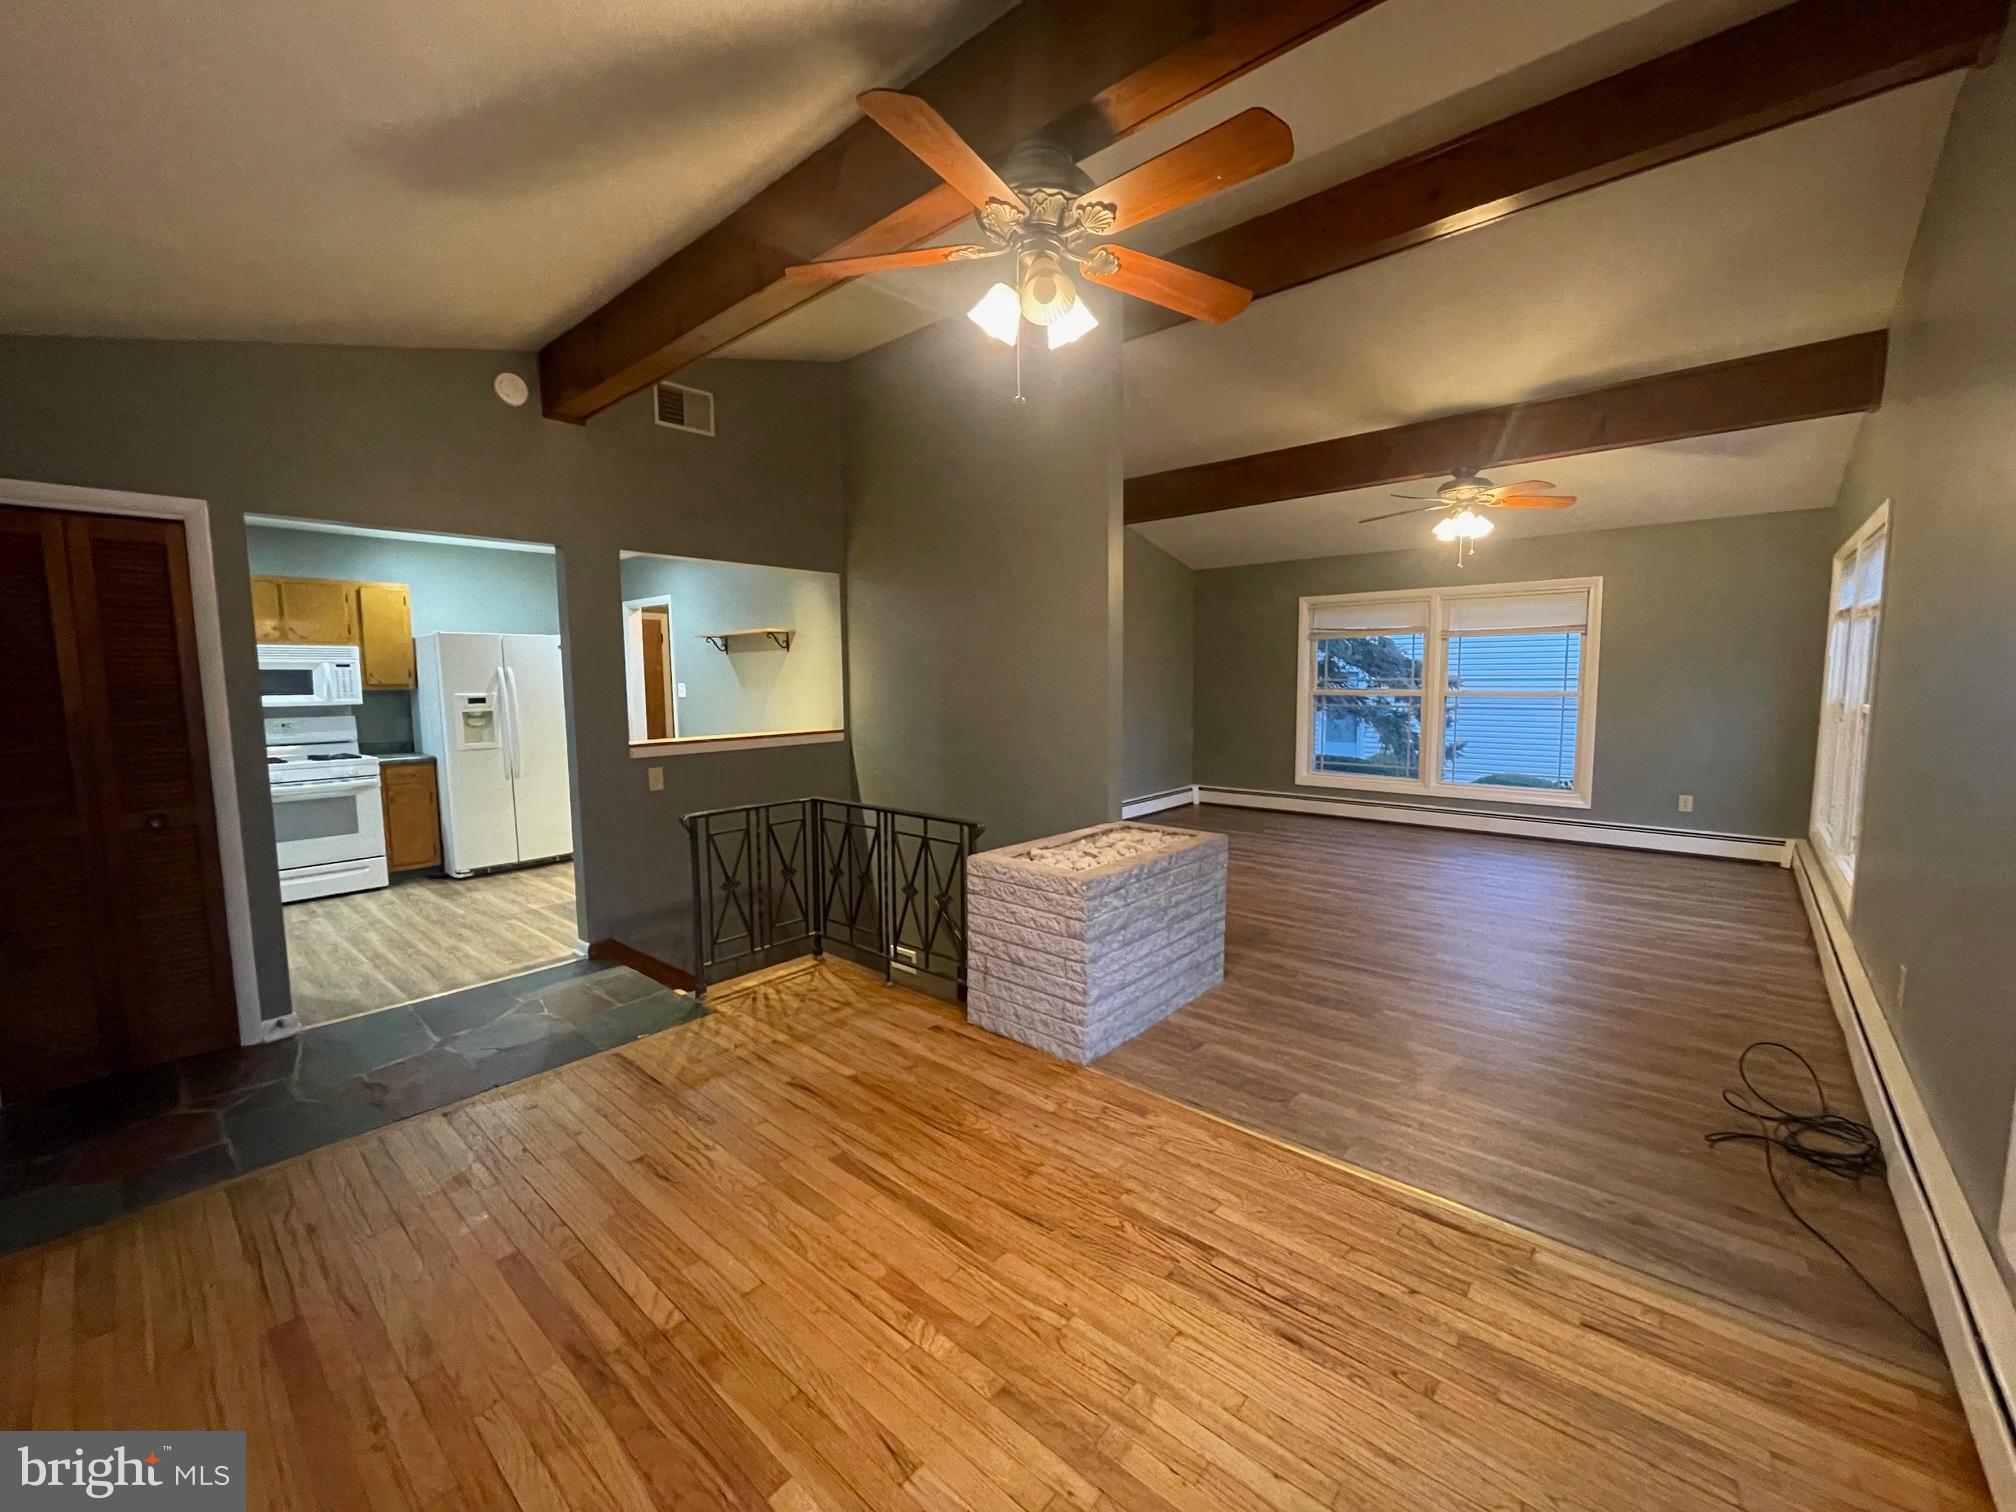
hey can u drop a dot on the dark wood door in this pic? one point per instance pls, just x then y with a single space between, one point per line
112 935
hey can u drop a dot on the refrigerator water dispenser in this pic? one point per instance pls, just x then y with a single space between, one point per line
476 724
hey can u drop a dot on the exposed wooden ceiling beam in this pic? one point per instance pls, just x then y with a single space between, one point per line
1087 74
1808 57
1840 377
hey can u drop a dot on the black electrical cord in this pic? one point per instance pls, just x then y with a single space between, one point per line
1822 1138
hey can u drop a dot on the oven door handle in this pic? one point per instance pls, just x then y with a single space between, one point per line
291 792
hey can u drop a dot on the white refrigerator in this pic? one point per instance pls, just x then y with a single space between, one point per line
493 715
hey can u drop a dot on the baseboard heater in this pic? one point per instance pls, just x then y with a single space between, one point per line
1970 1302
1767 848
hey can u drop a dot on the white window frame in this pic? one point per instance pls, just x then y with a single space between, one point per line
1843 728
1434 696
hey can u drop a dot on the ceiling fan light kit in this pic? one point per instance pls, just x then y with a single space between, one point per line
1459 499
1042 215
999 314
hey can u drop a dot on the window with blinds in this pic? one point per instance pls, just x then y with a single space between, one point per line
1367 688
1854 619
1498 683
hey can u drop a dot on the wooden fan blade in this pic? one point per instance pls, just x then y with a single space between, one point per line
1530 486
1229 153
927 134
885 262
1424 509
1535 501
1185 290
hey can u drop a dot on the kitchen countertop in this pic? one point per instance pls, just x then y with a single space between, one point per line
385 756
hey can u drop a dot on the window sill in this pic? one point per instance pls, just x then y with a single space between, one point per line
696 745
1464 792
1840 877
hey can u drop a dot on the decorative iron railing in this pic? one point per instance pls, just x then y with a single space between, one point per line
776 880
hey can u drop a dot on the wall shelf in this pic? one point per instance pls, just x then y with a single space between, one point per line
778 635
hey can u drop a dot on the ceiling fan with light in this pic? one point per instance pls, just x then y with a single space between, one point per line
1035 211
1460 498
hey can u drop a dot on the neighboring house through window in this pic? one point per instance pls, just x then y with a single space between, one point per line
1854 618
1497 683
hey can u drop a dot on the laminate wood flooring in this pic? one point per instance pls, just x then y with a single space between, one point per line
833 1248
1541 1031
424 936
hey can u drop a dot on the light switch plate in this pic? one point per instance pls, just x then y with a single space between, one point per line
1686 803
682 689
654 779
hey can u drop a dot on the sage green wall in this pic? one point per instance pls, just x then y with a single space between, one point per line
756 685
1159 660
1708 678
984 578
1935 882
416 440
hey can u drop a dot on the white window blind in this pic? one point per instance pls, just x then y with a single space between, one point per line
1854 623
1520 611
1512 697
1497 684
1366 618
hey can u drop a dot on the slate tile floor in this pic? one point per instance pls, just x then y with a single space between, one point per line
88 1154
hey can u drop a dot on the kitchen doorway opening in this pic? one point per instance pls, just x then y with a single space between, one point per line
419 763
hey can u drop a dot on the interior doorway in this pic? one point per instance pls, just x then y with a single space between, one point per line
647 649
418 759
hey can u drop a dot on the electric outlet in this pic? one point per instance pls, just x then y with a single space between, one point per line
1903 974
1686 803
654 779
681 688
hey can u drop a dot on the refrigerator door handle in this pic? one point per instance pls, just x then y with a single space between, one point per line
515 764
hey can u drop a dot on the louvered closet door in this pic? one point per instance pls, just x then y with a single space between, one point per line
53 937
143 701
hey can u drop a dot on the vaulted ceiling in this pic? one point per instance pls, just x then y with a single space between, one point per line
472 173
484 175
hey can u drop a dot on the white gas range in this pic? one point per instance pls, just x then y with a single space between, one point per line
328 818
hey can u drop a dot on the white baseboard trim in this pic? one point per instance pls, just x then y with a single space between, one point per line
1576 831
1154 803
1971 1304
581 949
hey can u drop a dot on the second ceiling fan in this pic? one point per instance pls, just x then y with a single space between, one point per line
1048 227
1460 498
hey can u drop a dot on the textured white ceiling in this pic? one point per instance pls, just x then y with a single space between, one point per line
1781 467
456 172
1791 237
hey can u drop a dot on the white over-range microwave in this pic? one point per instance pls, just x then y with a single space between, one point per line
310 677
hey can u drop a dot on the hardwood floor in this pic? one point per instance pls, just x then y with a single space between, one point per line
1540 1031
424 936
832 1248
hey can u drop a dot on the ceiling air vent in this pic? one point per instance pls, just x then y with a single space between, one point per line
682 408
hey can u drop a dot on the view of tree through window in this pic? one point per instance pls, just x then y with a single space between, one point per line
1478 689
1378 732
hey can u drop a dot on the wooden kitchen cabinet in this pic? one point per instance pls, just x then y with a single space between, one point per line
317 612
412 814
385 634
269 620
377 618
